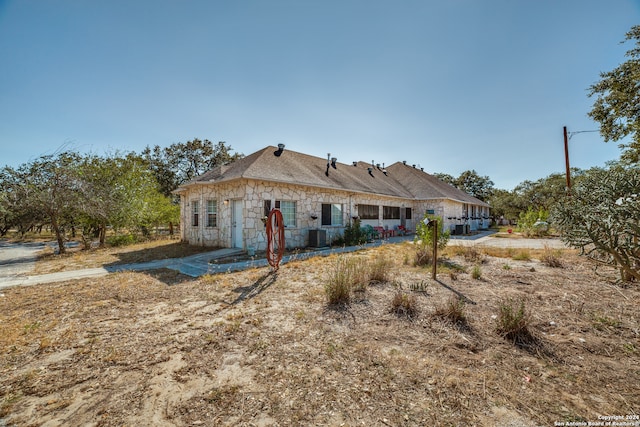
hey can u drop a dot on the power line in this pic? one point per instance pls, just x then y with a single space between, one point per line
581 131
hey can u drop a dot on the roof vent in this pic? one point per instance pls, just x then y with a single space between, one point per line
370 169
422 169
279 151
404 162
414 166
384 171
333 162
378 166
355 163
328 160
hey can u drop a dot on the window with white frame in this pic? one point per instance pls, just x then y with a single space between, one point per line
212 213
288 210
195 212
332 214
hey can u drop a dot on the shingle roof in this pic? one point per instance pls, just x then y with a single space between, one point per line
298 168
424 186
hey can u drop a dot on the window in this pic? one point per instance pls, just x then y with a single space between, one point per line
431 212
212 213
407 213
288 210
390 212
368 212
332 214
195 210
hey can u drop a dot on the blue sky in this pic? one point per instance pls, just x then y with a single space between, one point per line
449 85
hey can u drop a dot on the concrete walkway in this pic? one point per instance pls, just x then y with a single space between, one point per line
492 239
204 263
194 265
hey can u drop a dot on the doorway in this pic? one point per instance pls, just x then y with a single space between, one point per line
236 224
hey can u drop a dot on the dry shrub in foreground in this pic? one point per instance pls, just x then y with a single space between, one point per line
340 282
353 274
379 269
551 257
423 257
404 304
513 319
470 254
454 310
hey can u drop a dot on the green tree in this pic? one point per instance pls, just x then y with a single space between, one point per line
472 183
616 104
545 192
602 217
505 203
48 187
115 190
182 162
445 177
533 222
423 239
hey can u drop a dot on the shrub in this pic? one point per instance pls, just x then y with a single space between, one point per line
523 255
424 256
354 235
419 287
476 273
351 274
359 273
513 319
379 269
552 257
423 240
471 254
453 311
602 215
121 240
533 222
340 282
404 304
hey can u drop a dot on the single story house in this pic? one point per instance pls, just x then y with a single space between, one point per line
318 197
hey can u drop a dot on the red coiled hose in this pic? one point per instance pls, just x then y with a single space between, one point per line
275 238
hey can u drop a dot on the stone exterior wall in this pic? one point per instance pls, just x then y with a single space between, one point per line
251 195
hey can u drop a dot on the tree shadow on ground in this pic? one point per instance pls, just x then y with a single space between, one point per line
460 295
255 289
167 276
531 343
172 250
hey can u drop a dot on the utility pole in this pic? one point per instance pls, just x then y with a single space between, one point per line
434 269
566 160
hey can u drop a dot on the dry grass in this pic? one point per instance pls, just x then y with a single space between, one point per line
76 258
254 348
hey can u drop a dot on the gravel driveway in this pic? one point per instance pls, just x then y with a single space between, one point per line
17 259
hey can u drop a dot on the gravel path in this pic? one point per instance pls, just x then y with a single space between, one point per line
17 259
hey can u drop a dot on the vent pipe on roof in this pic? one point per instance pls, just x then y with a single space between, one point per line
404 162
422 169
279 151
414 166
355 163
328 164
370 169
333 162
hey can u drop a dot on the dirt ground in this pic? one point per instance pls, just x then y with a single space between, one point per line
258 349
